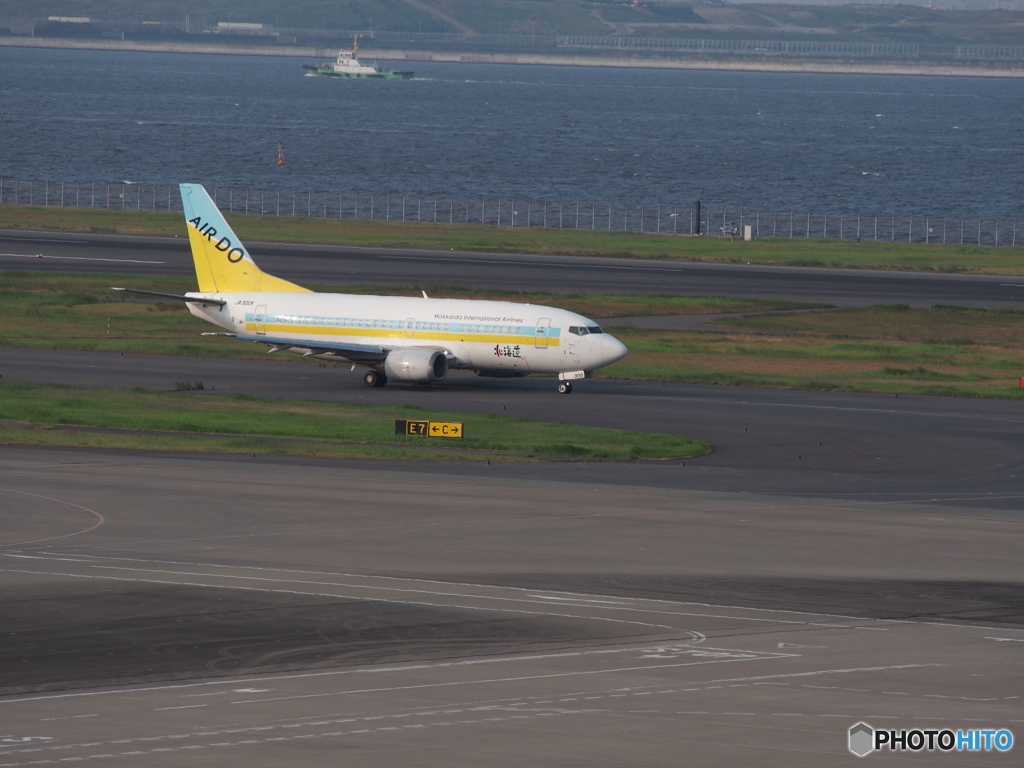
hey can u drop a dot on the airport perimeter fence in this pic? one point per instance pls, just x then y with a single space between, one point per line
524 213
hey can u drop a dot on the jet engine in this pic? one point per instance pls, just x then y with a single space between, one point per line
424 366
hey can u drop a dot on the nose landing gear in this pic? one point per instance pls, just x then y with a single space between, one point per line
564 388
374 378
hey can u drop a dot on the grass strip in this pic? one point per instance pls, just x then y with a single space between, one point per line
949 351
889 348
570 242
188 421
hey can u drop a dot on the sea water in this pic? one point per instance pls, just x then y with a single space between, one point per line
747 140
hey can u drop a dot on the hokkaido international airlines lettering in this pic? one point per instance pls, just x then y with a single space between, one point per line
478 318
235 254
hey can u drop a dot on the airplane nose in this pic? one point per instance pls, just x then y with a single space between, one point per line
612 349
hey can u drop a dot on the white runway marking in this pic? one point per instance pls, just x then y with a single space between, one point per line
99 519
335 595
79 258
579 596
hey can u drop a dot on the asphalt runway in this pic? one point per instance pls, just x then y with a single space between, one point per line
340 265
837 558
952 451
160 610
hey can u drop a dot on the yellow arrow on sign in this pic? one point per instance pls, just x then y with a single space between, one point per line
446 429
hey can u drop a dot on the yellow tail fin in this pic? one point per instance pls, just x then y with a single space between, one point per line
222 263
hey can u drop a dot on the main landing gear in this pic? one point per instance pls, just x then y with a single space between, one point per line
373 378
564 388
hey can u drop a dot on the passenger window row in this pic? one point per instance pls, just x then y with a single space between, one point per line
402 325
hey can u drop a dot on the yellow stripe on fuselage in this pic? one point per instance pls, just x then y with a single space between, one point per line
432 337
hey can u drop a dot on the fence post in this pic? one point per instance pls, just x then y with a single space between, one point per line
997 233
593 216
1014 243
62 194
451 210
910 229
858 227
435 210
943 230
387 209
892 230
961 231
841 226
529 210
824 227
641 219
609 217
979 231
807 234
927 237
561 209
790 225
577 215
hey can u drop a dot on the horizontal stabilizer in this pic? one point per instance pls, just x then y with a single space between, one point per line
176 297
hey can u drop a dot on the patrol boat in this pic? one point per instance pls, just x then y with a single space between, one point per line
348 65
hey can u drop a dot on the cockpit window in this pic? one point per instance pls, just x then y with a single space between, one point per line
593 329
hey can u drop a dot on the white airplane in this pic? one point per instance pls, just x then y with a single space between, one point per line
395 337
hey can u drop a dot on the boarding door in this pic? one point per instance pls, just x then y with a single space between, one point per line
410 326
259 318
540 339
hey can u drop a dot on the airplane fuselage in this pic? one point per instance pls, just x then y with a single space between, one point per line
490 337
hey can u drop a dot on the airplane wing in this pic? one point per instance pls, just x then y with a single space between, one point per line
356 353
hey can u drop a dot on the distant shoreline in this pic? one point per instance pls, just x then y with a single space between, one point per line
815 66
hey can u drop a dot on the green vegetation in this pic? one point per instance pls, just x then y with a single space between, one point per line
67 311
893 348
938 351
181 421
462 237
